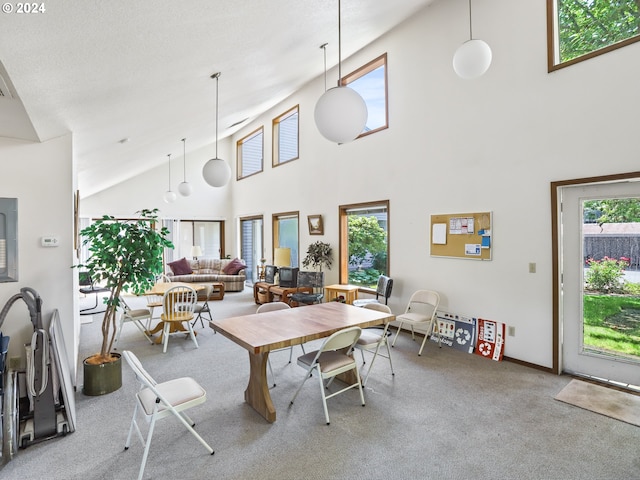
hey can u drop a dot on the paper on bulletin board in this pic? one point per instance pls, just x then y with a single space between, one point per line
439 234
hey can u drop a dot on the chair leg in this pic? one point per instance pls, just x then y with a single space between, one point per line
271 371
397 333
140 326
189 425
324 398
192 334
119 329
308 374
424 340
145 455
165 336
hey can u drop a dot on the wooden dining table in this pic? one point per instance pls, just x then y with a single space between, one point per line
160 289
261 333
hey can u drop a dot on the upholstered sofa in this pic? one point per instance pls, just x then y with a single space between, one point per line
209 270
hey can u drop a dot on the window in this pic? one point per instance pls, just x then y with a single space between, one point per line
583 29
370 81
251 245
364 243
285 234
249 154
208 235
285 137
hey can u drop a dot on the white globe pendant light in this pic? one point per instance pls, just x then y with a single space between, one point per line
169 196
473 58
341 113
216 172
184 187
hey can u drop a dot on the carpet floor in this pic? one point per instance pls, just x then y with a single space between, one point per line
444 415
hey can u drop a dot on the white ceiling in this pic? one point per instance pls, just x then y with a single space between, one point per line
109 70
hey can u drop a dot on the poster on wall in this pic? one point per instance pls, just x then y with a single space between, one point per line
490 342
456 331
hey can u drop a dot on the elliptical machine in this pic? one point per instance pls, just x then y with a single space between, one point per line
44 412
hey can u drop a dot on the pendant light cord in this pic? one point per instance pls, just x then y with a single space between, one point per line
216 76
184 159
470 30
324 47
169 155
340 47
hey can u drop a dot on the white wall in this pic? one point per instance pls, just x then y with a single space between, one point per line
40 176
489 144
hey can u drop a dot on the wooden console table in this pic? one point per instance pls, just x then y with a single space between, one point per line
283 294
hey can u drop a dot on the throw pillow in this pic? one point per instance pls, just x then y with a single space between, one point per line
180 267
233 267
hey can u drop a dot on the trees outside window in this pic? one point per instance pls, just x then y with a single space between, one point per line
582 29
364 243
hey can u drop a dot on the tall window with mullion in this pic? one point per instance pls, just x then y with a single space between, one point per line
583 29
250 151
370 81
286 234
364 243
285 137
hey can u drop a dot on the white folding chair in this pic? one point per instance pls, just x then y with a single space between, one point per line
134 316
373 338
271 307
332 358
204 307
178 304
421 310
159 400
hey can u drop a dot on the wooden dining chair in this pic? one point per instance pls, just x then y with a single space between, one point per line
178 306
159 400
155 301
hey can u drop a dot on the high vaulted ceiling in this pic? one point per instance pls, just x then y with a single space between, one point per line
110 70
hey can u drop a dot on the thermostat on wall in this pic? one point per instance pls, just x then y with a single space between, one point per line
50 241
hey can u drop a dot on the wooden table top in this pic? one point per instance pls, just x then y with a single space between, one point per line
263 332
342 288
161 288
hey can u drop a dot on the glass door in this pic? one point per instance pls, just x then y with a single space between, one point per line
600 280
252 245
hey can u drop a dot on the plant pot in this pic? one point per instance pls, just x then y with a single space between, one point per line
103 378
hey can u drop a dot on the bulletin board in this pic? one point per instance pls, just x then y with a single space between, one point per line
462 235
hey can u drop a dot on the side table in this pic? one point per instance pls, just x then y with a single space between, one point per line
261 292
218 291
350 292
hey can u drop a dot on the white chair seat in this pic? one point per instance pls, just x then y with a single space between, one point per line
364 301
177 392
327 360
413 318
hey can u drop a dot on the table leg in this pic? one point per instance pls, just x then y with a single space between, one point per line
257 393
174 327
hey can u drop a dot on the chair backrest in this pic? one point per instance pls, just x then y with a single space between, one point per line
378 306
314 280
272 306
84 279
345 338
205 293
270 273
141 374
424 301
179 301
163 278
384 287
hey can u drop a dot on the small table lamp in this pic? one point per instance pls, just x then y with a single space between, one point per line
196 252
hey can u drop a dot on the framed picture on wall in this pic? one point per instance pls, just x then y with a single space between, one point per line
315 225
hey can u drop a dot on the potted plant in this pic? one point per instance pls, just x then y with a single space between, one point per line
124 256
319 254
